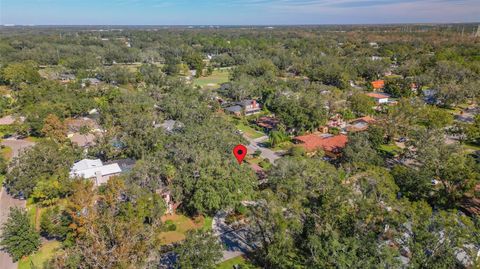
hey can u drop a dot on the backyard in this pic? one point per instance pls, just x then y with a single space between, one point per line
182 224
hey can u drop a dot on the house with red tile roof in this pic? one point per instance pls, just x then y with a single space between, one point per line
331 145
378 84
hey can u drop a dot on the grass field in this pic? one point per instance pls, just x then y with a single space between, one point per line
214 80
249 131
240 260
183 224
45 252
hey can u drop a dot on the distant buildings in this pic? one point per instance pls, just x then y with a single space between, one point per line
246 107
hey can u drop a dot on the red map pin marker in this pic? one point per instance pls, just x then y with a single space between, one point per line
240 151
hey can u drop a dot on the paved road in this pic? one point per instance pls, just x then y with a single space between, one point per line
7 201
256 144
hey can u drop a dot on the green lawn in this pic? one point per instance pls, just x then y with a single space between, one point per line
471 147
214 80
45 252
207 224
249 131
240 260
183 224
390 149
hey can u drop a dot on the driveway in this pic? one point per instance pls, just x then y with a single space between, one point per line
7 201
17 145
234 240
255 144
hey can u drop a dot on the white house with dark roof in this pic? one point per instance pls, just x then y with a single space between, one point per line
250 107
95 170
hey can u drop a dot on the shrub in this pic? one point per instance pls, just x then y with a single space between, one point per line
170 226
296 151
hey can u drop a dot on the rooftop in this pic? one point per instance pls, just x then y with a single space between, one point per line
234 109
88 168
378 84
313 142
377 95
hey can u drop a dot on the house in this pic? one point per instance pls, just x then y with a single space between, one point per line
360 124
90 82
378 84
332 145
170 126
66 77
380 98
82 140
76 124
250 107
95 170
336 122
236 110
430 96
268 123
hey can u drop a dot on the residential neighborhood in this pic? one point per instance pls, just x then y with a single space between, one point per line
119 146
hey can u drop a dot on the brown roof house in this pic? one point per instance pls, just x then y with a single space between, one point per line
83 131
360 124
332 145
268 123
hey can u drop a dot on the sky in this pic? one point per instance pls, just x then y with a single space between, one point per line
235 12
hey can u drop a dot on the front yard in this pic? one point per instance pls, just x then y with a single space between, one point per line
249 131
240 260
36 260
